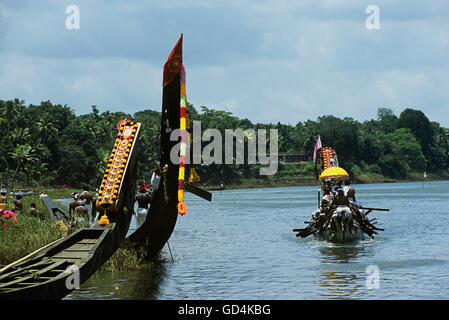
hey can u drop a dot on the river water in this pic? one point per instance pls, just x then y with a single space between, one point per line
241 246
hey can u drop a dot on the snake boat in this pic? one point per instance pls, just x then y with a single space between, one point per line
168 199
57 269
339 216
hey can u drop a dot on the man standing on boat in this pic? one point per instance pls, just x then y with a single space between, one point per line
156 177
143 198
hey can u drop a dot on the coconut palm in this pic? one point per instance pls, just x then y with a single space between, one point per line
11 109
20 135
22 154
46 128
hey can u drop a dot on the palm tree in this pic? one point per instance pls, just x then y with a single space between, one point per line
22 154
12 108
20 135
37 172
46 128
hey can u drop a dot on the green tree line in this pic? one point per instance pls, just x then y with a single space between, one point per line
49 145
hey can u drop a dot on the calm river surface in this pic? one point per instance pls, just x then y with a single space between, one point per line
241 246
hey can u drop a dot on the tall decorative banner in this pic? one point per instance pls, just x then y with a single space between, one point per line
116 168
172 68
328 158
183 126
318 146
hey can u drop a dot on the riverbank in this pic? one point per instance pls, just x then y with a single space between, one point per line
309 180
28 234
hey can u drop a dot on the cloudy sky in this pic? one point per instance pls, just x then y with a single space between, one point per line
267 61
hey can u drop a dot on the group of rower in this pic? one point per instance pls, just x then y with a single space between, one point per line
340 202
336 194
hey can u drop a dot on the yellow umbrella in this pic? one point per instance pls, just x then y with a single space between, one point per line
334 172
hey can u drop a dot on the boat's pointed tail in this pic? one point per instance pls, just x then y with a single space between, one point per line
163 212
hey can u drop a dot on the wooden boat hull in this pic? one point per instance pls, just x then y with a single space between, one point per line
48 273
339 217
57 271
341 236
341 228
163 213
56 213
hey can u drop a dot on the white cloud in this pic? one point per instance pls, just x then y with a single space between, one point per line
110 83
267 61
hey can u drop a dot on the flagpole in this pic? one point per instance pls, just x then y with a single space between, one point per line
317 147
425 176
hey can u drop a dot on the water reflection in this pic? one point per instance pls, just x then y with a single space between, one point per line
340 253
337 281
144 284
130 285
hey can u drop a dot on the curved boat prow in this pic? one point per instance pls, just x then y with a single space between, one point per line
57 269
163 212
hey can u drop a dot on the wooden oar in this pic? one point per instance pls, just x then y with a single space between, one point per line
198 191
378 209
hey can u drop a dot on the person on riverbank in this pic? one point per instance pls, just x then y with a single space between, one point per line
3 196
33 212
80 215
18 206
87 196
89 199
74 203
81 209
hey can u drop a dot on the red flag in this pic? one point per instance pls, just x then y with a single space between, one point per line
317 146
174 63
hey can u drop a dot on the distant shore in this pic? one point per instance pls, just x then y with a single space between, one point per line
310 181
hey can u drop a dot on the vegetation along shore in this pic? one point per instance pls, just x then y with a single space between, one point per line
49 148
49 145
